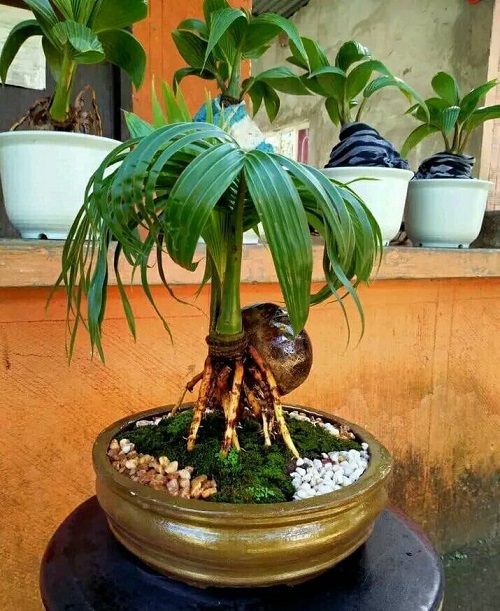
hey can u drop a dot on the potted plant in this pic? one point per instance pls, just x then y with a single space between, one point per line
58 143
200 511
348 86
445 206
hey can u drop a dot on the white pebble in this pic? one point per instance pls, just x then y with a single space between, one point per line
299 462
317 463
347 469
125 446
356 475
364 445
141 423
301 494
300 471
346 481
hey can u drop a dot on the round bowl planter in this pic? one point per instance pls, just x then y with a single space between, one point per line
222 544
384 193
44 176
445 212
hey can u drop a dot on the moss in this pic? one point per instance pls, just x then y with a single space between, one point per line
257 474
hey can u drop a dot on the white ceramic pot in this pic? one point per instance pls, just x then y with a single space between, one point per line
44 175
445 212
385 196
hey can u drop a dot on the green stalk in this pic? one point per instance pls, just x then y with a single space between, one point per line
456 140
361 109
234 86
215 296
229 321
60 105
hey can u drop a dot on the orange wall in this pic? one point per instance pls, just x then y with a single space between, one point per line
163 58
424 380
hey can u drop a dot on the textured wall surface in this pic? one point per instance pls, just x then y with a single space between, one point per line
423 380
415 38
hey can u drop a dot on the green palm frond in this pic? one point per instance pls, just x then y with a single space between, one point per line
189 180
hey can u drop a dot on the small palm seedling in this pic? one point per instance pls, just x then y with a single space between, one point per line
349 84
76 32
216 48
454 116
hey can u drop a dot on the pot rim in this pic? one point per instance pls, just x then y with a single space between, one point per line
51 135
462 182
366 170
374 475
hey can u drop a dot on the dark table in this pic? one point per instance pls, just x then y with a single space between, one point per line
85 569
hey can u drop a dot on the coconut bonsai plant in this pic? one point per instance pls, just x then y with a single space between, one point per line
182 181
445 205
348 85
67 147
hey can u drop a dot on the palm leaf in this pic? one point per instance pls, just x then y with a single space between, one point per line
126 52
285 224
19 34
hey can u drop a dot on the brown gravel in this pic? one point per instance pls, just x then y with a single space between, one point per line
159 473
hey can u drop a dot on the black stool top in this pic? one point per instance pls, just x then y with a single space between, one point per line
85 569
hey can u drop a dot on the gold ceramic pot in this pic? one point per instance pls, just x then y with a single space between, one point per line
222 544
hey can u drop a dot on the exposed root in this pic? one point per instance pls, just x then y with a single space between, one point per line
232 407
253 401
278 408
80 118
201 403
188 388
258 413
241 384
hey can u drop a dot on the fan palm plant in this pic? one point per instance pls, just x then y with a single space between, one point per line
347 84
185 180
76 32
453 116
214 49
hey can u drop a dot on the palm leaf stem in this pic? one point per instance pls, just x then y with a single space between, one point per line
60 104
229 321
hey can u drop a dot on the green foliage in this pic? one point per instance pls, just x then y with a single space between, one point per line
453 116
350 82
189 180
214 49
257 474
79 32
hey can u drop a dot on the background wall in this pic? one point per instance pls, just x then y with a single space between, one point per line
423 380
415 38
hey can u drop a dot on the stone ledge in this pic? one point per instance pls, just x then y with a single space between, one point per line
36 263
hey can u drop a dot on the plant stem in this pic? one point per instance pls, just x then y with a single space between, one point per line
456 140
229 321
361 109
234 86
215 296
59 107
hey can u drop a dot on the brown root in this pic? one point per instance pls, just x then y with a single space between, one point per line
232 407
201 403
188 388
83 116
241 384
278 408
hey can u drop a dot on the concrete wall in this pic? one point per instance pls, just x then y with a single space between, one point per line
415 38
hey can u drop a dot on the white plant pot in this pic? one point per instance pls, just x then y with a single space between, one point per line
445 212
44 175
385 196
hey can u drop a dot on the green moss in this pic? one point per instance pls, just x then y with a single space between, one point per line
257 474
